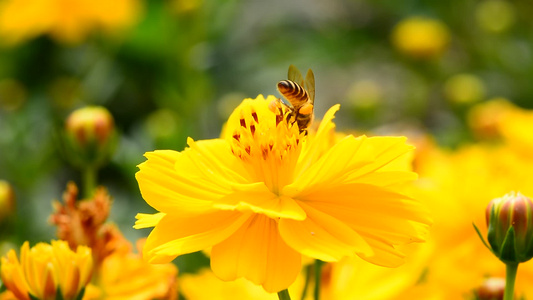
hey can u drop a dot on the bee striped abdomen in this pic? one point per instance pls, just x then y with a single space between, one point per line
296 94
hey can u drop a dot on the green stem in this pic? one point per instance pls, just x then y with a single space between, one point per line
510 276
318 276
308 271
284 295
89 181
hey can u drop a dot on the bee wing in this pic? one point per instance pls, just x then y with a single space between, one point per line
295 75
310 85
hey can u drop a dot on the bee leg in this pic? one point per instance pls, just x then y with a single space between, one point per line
306 109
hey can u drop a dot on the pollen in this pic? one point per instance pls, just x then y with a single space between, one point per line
265 132
266 138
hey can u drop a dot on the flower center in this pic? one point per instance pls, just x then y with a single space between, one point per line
268 141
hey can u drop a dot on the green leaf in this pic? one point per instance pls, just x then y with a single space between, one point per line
3 287
481 237
81 293
59 294
508 249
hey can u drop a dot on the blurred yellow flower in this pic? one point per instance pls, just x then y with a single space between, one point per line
7 199
45 269
421 37
126 276
502 119
7 295
354 278
485 119
118 272
238 289
464 88
67 21
265 193
458 186
495 15
515 128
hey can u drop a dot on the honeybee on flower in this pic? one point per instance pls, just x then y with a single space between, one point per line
266 193
301 95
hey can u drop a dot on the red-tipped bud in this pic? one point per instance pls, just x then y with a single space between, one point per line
491 289
89 136
510 227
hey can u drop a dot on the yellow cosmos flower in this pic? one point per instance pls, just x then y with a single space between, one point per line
67 21
354 278
45 268
462 183
502 119
264 194
421 37
238 289
127 276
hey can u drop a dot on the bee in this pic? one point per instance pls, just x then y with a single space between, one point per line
300 94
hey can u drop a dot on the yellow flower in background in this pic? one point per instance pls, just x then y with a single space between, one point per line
515 128
458 185
67 21
118 272
421 37
45 269
238 289
126 276
500 118
264 194
464 88
354 278
495 15
485 119
7 199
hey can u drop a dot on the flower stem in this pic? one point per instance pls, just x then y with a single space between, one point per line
510 276
318 276
308 271
284 295
89 181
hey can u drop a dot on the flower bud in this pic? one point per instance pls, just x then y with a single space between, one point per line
510 227
47 271
491 289
89 136
7 199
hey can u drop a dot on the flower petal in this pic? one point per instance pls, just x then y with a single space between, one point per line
332 166
385 255
320 142
187 181
387 152
373 210
385 179
214 157
348 160
165 189
259 199
257 252
147 220
322 236
176 235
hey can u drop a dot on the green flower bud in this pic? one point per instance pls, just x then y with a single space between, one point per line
510 227
89 136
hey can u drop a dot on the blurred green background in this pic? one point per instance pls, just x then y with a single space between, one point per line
167 70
